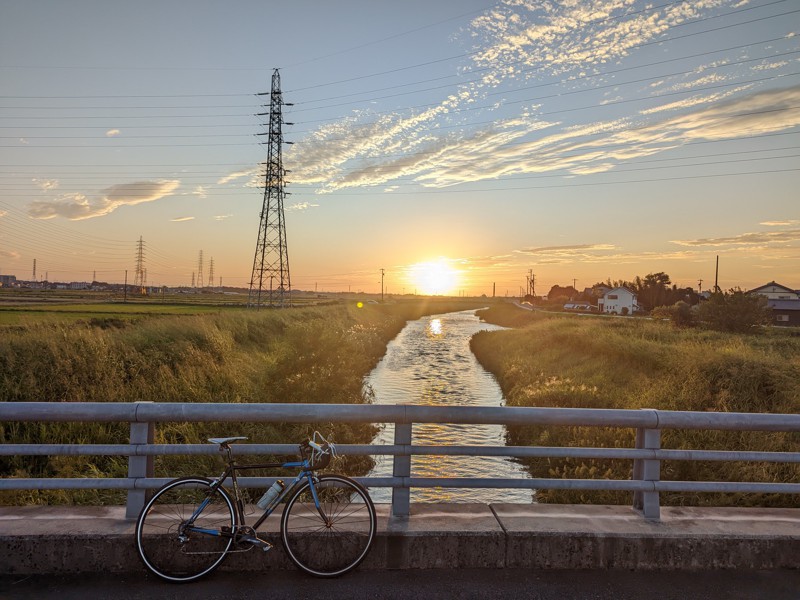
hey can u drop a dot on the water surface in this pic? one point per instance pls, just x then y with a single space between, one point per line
430 363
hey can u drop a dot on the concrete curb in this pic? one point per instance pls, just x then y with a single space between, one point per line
469 536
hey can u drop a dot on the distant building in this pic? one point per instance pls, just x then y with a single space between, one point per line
775 291
8 280
619 301
785 313
784 302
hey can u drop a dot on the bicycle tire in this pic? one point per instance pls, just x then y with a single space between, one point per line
335 544
161 549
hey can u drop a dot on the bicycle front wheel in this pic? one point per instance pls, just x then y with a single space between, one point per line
178 551
334 538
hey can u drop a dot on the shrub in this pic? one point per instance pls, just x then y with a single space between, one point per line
734 311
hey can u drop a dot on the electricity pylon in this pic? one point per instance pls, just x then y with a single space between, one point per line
200 271
271 261
139 278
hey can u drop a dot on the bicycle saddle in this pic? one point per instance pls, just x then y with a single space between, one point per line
224 441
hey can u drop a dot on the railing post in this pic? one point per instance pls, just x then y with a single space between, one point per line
401 497
138 467
646 469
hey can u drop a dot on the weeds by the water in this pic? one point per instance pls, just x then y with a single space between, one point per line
586 362
308 355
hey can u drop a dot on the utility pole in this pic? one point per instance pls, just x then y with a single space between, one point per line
125 289
382 272
211 273
34 269
271 258
716 277
700 286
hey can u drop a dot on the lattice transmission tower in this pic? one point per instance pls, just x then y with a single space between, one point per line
200 270
140 276
270 282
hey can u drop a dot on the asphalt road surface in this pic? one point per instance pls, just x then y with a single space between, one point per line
483 584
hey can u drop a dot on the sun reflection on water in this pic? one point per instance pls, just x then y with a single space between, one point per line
435 328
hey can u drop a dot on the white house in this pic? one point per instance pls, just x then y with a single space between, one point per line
775 291
619 301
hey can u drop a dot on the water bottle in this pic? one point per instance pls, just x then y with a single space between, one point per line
270 494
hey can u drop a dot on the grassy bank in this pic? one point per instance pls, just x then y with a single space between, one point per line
571 361
306 355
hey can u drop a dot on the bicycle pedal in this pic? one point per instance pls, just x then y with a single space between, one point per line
257 542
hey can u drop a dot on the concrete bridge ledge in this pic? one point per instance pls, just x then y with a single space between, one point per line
446 536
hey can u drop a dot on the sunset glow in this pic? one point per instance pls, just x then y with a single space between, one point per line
568 142
434 278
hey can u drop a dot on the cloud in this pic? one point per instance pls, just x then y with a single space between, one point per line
200 191
9 254
46 184
112 132
566 249
456 140
237 175
780 223
77 207
746 239
222 217
301 206
181 219
555 37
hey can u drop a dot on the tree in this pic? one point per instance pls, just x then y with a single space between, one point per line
652 291
562 292
734 311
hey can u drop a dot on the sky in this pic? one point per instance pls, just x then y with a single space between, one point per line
460 146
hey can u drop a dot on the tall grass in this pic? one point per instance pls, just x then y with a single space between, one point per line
308 355
633 363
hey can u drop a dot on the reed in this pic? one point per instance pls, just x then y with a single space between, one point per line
570 361
304 355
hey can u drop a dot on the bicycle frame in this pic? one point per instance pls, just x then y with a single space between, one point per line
306 473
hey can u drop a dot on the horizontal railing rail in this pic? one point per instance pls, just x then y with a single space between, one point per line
646 456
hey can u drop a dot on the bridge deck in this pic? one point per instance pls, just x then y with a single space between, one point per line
40 540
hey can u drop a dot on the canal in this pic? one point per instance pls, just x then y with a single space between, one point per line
430 363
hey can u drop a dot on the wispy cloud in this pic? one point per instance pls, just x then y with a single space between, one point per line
746 239
113 132
579 248
200 191
181 219
80 206
780 223
237 175
9 254
46 184
519 40
301 206
222 217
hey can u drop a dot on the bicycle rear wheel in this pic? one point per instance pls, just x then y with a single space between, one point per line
335 538
174 551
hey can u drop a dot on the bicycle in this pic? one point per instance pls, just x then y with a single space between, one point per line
191 524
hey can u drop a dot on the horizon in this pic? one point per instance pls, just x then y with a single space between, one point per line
457 145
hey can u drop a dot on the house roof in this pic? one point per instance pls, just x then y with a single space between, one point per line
623 288
771 284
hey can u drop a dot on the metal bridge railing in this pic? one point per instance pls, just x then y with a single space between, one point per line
647 454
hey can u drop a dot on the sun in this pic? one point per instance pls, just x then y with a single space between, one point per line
434 278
